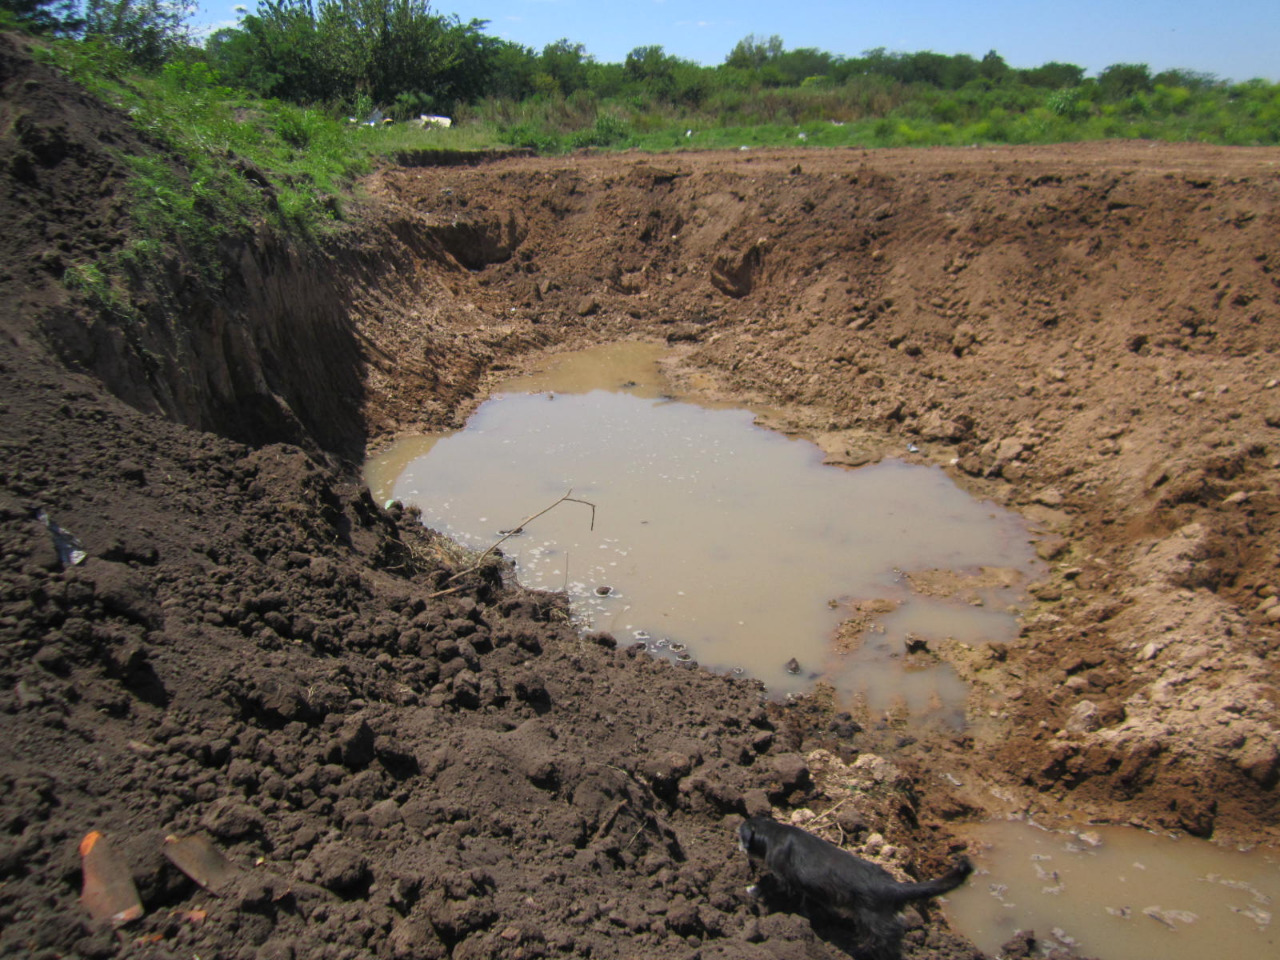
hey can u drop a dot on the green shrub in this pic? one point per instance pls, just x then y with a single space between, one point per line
607 131
294 127
1067 102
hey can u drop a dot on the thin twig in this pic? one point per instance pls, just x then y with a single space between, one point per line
608 821
643 823
830 810
518 528
826 813
446 592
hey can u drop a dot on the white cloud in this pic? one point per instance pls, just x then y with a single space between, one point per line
205 30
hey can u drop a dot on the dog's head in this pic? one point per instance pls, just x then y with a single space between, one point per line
750 840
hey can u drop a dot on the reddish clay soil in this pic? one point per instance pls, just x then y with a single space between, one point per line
404 757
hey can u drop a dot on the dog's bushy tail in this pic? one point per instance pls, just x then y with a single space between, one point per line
904 893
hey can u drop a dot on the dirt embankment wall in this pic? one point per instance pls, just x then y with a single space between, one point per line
266 353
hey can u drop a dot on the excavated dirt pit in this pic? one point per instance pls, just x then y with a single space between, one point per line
718 542
400 756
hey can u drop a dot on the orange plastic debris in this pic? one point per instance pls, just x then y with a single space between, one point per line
108 892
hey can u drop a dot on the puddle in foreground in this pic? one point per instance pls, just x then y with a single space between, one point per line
714 539
1118 893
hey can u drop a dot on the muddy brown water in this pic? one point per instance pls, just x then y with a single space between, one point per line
714 539
1118 893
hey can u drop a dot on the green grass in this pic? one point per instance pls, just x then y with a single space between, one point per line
230 164
872 112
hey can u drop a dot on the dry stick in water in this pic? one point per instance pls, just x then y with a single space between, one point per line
519 528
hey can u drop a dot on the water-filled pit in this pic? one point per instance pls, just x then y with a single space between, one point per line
1118 893
717 540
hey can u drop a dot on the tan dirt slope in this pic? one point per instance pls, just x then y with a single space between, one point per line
1087 332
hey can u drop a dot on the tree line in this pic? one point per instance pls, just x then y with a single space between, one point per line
404 58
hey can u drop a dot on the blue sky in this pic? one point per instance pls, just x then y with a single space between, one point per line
1234 39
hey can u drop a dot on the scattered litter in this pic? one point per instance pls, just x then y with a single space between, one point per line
70 549
1124 913
199 859
793 665
952 779
912 448
108 892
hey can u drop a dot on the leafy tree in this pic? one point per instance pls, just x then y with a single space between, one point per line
512 69
566 64
752 52
382 47
993 68
796 65
278 52
43 16
230 51
925 66
1122 80
149 31
665 77
1190 79
348 50
1053 75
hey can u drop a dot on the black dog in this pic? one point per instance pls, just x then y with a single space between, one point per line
844 885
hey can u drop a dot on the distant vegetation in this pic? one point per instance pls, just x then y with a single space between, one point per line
291 90
340 58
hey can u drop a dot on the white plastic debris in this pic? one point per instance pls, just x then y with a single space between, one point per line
70 549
